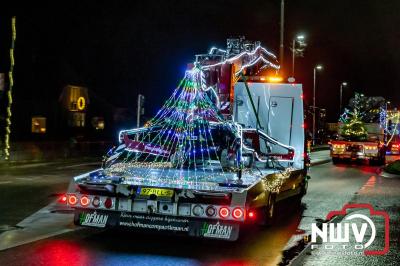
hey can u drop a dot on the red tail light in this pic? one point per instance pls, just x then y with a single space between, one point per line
108 203
237 213
224 212
72 200
85 201
251 215
63 199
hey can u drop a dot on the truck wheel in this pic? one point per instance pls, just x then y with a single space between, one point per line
377 162
269 210
336 160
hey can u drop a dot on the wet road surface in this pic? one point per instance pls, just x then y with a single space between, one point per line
330 187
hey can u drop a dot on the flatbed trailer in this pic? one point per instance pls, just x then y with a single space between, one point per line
210 208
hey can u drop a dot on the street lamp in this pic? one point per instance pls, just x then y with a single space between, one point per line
343 84
317 67
300 40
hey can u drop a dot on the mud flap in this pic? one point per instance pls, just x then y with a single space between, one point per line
223 230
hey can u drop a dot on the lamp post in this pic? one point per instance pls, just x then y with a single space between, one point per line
282 28
317 67
298 38
343 84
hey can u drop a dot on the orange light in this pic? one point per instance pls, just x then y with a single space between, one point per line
85 201
237 213
262 78
224 212
72 200
275 79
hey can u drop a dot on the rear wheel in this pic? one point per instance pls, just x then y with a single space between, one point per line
336 160
303 191
379 161
269 210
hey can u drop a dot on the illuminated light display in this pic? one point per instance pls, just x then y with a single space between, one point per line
180 136
353 127
81 103
257 59
9 92
183 143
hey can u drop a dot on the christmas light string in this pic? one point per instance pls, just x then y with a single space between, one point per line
183 126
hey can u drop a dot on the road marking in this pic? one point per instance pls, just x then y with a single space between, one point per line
78 165
24 178
5 182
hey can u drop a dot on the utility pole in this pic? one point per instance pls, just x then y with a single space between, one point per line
281 47
299 39
343 84
317 67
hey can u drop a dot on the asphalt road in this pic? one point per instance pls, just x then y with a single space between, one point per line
27 189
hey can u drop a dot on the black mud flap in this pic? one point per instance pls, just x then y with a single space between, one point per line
223 230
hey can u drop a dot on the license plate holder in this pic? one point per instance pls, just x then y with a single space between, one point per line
159 192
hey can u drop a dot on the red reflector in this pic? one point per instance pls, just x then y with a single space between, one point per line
224 212
108 203
85 201
237 213
72 200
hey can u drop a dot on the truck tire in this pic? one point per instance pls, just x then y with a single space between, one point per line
377 162
297 199
269 210
336 160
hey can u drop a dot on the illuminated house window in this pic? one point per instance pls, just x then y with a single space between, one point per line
98 123
75 98
39 125
77 119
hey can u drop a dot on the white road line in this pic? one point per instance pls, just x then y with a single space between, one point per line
5 182
78 165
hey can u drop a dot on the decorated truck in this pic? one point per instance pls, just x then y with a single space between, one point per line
368 131
368 146
222 151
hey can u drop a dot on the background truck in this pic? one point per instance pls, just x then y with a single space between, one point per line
371 148
223 150
368 131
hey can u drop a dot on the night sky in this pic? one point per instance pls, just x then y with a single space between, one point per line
120 48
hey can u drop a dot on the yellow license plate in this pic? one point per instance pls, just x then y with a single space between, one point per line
159 192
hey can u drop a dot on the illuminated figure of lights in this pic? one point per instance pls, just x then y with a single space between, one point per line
9 93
